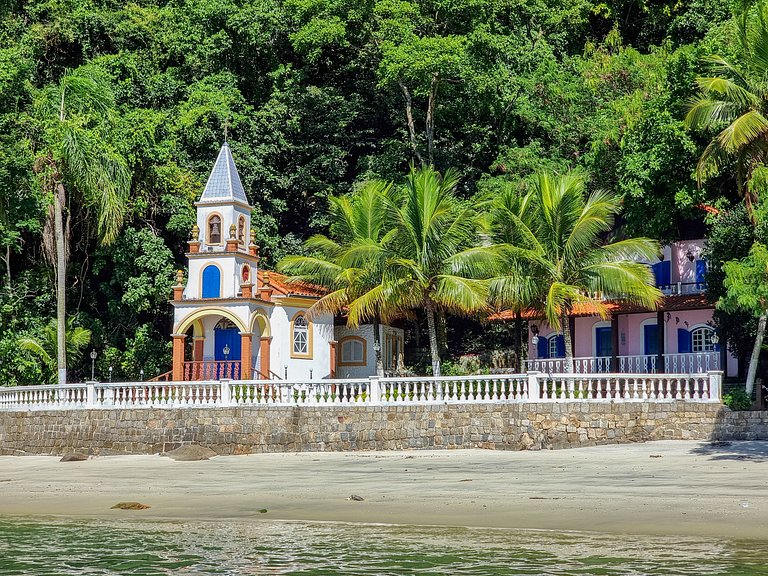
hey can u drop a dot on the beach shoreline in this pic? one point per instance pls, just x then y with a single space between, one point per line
665 488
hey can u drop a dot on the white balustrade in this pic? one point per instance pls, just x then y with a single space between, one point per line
484 388
631 387
681 363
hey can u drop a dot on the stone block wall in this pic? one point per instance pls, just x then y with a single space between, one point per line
289 429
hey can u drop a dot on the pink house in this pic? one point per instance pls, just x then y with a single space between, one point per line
678 337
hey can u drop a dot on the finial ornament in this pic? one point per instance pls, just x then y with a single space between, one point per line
253 236
179 277
266 279
233 232
195 233
226 127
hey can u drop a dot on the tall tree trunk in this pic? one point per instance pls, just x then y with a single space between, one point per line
430 122
411 124
518 342
61 284
432 329
755 358
8 265
566 327
377 346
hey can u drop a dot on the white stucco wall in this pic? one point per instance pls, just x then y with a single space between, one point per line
230 214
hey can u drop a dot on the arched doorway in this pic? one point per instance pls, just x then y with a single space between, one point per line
227 349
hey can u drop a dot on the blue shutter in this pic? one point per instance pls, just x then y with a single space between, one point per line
701 271
651 339
211 282
542 348
683 340
662 272
560 343
656 269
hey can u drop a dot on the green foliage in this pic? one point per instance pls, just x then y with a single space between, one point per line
43 346
737 399
312 94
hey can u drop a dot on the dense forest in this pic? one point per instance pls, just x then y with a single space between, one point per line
318 96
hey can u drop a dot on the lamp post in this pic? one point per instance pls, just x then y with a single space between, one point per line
141 375
226 359
110 374
93 364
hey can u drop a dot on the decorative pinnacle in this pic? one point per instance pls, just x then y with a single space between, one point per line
195 233
253 236
180 277
266 279
233 232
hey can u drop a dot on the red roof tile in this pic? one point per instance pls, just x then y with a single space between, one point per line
279 283
671 303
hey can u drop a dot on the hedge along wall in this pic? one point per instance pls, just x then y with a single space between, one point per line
289 429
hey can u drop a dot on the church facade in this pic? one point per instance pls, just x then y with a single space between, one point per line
234 320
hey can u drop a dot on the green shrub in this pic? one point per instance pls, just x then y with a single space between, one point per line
737 399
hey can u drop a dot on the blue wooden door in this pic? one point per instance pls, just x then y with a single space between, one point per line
211 282
227 337
651 339
603 341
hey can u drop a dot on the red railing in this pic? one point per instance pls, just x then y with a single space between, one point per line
212 370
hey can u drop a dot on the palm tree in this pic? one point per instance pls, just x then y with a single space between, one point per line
734 101
75 155
351 261
46 345
431 261
555 257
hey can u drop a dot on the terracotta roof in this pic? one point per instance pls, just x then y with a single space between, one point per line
671 303
279 283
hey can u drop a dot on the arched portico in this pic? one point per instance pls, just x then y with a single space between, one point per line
262 329
221 346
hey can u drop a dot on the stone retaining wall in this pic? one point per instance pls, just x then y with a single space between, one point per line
290 429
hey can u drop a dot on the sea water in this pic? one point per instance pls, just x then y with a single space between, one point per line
88 547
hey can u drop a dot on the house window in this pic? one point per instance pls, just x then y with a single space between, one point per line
553 351
352 351
701 340
214 229
301 337
241 230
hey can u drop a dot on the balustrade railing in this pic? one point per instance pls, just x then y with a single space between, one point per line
212 370
696 362
484 388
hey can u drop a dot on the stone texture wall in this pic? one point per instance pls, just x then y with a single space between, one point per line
272 429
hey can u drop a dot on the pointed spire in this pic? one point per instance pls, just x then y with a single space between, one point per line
224 182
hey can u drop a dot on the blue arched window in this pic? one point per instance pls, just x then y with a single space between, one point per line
211 282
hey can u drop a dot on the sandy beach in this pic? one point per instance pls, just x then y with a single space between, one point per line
660 488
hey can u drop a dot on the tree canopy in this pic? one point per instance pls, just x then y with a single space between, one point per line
317 97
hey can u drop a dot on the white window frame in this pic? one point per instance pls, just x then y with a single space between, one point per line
704 336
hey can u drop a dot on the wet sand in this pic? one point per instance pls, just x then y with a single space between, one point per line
669 488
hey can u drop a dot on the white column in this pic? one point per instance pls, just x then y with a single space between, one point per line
534 388
374 390
715 385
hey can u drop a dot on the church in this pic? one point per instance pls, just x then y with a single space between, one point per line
235 320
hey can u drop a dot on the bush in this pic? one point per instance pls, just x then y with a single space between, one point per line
737 399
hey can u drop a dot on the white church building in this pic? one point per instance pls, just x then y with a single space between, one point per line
234 320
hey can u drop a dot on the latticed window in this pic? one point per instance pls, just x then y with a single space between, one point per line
214 230
300 336
701 340
553 348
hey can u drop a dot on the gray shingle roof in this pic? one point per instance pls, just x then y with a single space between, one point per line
224 182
